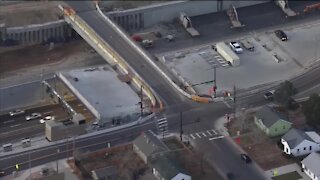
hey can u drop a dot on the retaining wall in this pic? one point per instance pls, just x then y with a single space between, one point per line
144 17
37 33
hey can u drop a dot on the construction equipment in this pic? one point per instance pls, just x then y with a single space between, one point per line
284 5
233 16
186 22
311 7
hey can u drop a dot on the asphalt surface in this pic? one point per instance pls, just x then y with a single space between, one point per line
215 27
224 151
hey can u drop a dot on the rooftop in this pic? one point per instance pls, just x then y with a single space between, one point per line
100 89
295 136
270 116
312 163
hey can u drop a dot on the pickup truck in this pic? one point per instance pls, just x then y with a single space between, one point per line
247 44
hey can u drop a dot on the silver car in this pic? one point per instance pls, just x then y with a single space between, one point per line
16 112
33 116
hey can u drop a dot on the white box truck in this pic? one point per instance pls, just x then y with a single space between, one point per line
227 53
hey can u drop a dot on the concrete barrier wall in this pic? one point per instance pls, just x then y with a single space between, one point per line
28 94
143 17
37 33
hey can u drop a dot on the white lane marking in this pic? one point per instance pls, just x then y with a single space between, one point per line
192 136
162 119
8 121
209 133
15 125
198 135
48 112
219 137
228 105
214 132
204 134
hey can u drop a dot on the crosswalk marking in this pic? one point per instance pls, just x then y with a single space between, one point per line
213 131
192 136
198 135
209 133
204 134
219 137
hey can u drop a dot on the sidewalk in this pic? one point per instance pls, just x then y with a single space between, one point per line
62 167
287 169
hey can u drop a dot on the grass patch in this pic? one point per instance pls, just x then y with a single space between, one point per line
289 176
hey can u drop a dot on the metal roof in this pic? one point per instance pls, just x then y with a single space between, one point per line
312 162
295 136
270 116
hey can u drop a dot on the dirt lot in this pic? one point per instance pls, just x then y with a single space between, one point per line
39 55
261 148
122 157
29 13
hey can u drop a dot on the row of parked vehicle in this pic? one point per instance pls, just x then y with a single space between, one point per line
236 47
32 116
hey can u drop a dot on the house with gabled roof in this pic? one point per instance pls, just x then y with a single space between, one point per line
272 122
311 166
148 146
167 169
297 142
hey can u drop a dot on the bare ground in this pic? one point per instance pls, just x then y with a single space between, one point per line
39 55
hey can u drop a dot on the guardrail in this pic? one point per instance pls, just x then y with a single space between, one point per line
141 52
193 97
114 57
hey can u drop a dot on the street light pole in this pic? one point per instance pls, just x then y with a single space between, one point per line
181 130
141 99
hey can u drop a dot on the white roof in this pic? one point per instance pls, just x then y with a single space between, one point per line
314 136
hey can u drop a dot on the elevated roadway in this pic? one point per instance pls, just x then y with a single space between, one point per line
175 103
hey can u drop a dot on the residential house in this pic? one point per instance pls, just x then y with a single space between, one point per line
106 173
149 146
272 122
311 166
167 169
297 143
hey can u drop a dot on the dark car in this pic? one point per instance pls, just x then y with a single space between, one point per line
281 35
246 158
231 176
2 173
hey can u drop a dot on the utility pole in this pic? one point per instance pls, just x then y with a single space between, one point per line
29 163
215 81
181 130
234 99
141 99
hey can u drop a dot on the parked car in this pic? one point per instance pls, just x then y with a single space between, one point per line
281 35
47 118
16 112
231 176
247 45
269 95
235 46
33 116
246 158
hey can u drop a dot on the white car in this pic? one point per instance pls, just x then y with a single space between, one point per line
16 112
236 47
33 116
47 118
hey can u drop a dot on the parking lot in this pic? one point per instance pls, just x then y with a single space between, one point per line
259 67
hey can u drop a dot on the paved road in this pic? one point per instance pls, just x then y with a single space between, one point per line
134 59
206 113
